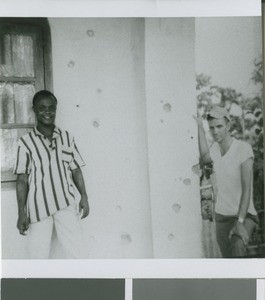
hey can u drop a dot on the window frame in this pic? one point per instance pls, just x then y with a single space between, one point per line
41 29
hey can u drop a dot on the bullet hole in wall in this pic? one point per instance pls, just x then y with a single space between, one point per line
90 33
176 207
126 238
171 236
118 208
95 123
71 64
187 181
167 107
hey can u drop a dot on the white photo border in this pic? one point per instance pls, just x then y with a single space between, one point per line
135 268
130 8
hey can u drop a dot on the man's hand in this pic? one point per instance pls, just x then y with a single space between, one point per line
198 119
239 230
23 223
84 206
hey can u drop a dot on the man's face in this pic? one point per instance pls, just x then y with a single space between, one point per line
45 111
219 129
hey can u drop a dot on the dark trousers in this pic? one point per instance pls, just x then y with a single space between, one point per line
234 247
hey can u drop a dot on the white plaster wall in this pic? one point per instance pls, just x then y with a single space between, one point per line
99 80
172 140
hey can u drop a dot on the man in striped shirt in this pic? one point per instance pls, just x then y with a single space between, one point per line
48 166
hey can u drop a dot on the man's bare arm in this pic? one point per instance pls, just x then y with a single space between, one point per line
203 145
80 184
22 189
246 178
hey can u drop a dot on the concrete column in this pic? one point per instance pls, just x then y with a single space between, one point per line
172 140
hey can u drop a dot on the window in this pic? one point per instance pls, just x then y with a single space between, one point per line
25 68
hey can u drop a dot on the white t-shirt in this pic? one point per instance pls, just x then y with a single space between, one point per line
228 176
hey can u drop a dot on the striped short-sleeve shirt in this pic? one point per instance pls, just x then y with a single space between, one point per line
49 166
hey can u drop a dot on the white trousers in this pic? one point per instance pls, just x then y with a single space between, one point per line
67 225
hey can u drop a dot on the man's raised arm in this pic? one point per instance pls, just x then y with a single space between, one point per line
203 145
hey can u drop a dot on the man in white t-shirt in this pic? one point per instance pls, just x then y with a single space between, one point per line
232 160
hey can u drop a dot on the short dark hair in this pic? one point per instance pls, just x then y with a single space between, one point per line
209 118
43 94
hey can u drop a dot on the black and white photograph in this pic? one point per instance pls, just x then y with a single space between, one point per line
132 138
